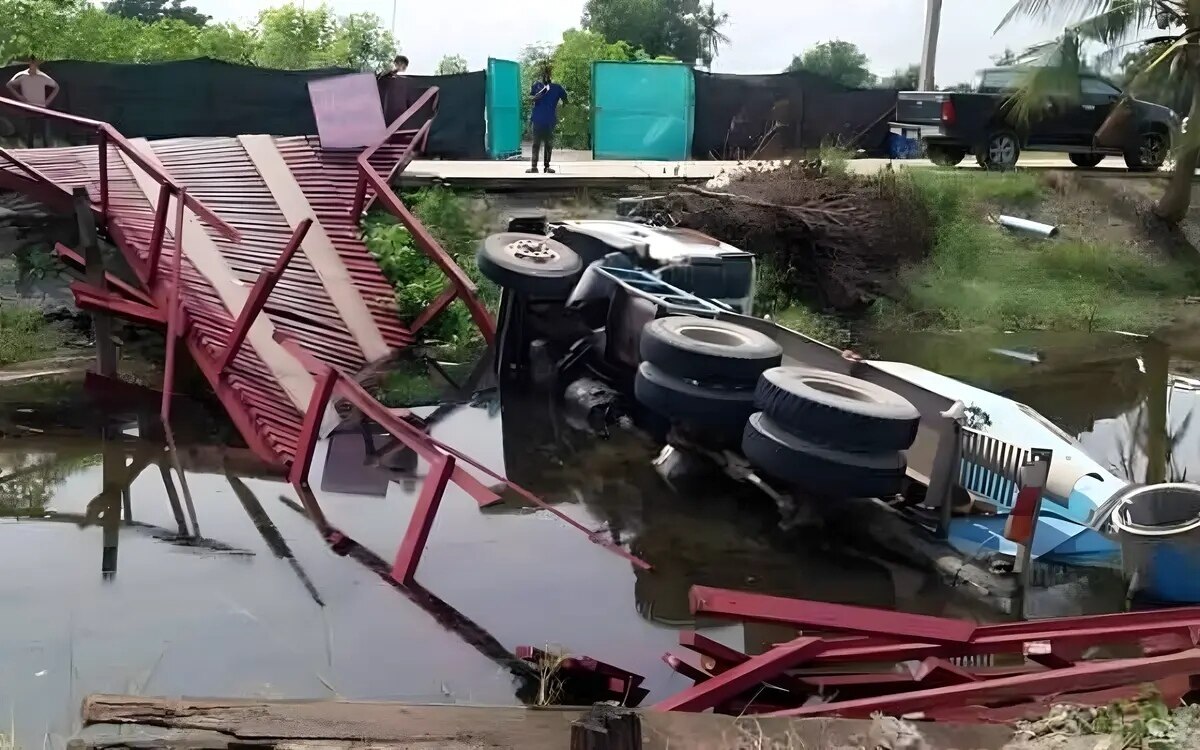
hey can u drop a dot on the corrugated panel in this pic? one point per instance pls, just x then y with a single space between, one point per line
218 172
328 180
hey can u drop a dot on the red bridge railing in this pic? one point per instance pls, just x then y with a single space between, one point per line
460 286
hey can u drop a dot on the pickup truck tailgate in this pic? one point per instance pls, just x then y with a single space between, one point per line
920 107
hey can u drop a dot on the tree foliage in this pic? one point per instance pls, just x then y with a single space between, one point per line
903 79
287 36
842 61
1168 26
156 10
687 30
452 65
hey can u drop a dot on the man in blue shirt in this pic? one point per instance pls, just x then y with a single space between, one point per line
546 96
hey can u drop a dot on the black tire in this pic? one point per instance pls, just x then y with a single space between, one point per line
946 156
837 410
821 471
529 263
692 403
1086 161
708 350
1001 151
1149 154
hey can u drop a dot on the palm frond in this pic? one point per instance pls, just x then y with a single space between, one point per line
1107 21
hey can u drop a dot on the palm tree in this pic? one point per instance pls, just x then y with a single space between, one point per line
1171 25
710 23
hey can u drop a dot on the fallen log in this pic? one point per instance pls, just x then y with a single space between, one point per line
116 721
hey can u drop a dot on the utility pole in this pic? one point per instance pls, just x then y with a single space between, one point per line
933 23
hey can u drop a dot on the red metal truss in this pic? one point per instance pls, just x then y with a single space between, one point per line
823 616
244 220
827 675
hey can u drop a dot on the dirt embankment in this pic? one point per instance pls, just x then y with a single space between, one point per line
832 240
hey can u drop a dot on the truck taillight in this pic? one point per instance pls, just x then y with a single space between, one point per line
948 114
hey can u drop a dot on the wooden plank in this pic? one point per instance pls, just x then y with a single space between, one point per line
327 725
833 617
317 246
205 256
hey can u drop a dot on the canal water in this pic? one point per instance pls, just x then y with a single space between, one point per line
229 590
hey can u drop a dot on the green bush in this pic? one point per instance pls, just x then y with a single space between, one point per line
417 281
25 335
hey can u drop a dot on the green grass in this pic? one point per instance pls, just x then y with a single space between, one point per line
25 335
824 328
982 276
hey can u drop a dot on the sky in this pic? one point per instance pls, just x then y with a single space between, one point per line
764 34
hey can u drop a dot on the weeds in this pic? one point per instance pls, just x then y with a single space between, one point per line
824 328
417 281
550 686
980 276
25 335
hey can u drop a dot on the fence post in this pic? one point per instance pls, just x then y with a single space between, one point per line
93 261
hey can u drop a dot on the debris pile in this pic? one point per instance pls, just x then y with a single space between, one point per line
943 669
831 239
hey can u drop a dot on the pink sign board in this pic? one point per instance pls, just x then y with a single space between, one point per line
348 111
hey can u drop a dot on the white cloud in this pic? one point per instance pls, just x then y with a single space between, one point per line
764 34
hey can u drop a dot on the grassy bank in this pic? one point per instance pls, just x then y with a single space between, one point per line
979 275
25 335
1099 274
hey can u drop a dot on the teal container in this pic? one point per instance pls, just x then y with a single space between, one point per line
504 125
642 110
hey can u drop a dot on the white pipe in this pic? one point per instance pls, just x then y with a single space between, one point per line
1025 225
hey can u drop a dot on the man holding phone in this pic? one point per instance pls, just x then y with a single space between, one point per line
546 96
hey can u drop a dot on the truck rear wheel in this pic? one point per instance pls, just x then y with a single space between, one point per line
946 156
1001 151
1150 154
1086 161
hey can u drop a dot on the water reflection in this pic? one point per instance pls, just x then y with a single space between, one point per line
287 595
1128 399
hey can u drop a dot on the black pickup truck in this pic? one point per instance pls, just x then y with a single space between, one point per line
953 124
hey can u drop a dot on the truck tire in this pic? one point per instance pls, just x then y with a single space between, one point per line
1086 161
529 263
1150 153
692 403
837 410
709 350
1001 151
946 156
825 472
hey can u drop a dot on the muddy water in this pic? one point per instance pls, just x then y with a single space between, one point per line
261 607
1111 391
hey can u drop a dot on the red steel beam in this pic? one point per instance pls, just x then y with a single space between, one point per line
175 316
731 684
157 235
228 397
999 644
435 308
1080 678
311 427
820 615
257 298
408 557
111 279
693 673
104 177
91 298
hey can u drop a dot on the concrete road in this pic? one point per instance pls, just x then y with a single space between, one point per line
575 171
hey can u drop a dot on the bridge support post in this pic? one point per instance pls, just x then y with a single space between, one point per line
106 350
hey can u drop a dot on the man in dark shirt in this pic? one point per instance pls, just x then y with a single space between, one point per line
546 96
